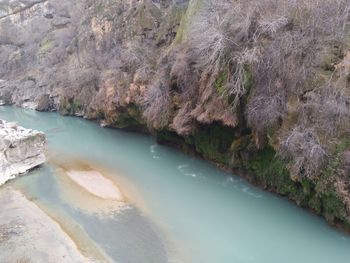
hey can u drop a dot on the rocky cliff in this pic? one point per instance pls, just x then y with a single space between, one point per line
259 86
20 150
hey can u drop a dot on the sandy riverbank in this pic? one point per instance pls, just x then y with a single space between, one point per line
27 234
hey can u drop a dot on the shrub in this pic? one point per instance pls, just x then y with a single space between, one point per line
303 150
157 104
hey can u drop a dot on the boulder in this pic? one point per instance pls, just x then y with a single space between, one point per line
20 150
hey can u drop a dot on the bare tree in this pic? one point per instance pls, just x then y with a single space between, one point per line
303 150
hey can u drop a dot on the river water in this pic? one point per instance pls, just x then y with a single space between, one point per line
182 209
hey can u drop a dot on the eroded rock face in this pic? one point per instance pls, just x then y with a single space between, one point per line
81 57
20 150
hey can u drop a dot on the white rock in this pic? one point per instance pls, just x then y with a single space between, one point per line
29 105
20 150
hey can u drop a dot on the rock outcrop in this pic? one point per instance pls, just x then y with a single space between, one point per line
20 150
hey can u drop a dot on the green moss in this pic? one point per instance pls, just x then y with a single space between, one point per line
126 122
214 143
261 161
170 22
335 162
172 139
315 203
128 118
220 83
331 56
333 206
271 171
69 106
46 46
248 78
308 186
168 136
270 131
76 106
241 143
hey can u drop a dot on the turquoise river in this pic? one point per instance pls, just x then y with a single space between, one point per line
181 208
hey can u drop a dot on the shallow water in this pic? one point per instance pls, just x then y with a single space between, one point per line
182 209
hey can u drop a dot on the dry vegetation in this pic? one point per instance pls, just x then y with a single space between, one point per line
277 53
304 149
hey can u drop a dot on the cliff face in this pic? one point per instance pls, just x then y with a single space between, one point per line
261 86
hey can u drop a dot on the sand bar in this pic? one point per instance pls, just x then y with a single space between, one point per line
95 183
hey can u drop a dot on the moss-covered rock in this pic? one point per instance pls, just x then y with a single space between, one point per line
129 118
69 106
193 9
46 46
213 142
